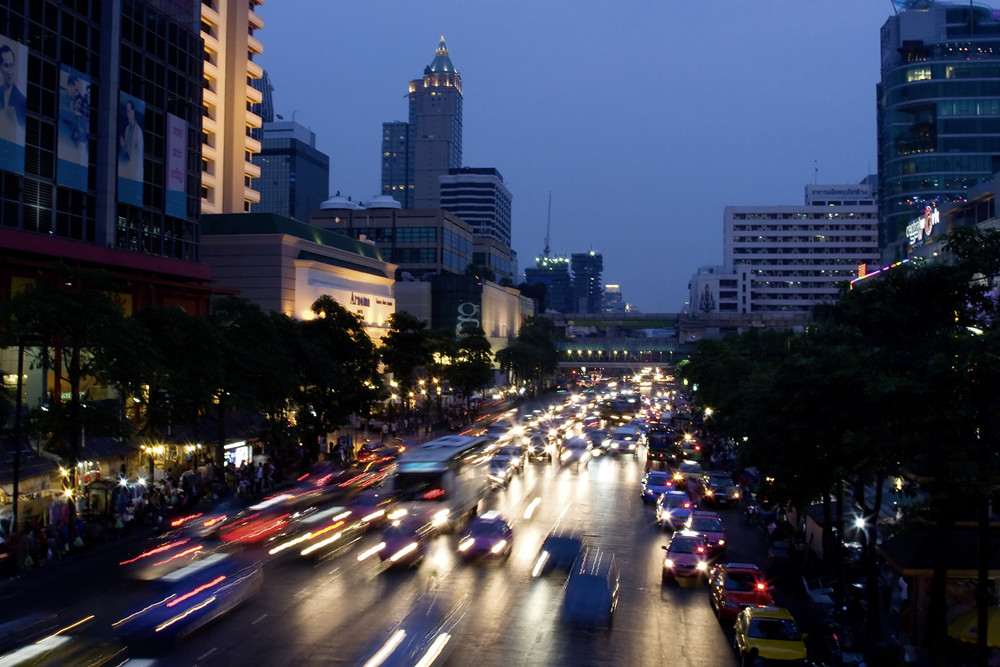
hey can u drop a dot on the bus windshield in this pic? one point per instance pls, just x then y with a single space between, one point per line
419 486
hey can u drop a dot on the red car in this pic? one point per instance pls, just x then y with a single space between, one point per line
733 586
686 558
709 524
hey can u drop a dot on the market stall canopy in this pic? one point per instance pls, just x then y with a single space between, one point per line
966 627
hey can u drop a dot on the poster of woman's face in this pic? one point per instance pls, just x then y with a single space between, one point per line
13 107
131 125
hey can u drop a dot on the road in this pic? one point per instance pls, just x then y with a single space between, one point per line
334 612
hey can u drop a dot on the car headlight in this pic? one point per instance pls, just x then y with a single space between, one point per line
702 566
722 543
668 563
466 544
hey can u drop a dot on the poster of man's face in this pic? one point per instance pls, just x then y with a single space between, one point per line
74 128
13 108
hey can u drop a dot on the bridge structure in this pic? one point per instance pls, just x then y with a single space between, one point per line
630 341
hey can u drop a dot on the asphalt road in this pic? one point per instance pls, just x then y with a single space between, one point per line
340 610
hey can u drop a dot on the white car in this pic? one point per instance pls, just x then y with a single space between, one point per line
576 450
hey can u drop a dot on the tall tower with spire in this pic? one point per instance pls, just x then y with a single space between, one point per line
416 154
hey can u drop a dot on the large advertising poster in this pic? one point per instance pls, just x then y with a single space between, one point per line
131 122
13 109
74 128
177 130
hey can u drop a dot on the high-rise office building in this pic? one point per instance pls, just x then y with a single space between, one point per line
612 301
553 272
789 259
938 113
415 157
587 287
99 163
397 162
294 175
228 171
479 196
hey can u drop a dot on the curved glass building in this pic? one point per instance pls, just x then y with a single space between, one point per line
938 112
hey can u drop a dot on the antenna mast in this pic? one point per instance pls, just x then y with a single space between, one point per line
548 225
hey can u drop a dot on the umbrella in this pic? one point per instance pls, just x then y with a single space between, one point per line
965 627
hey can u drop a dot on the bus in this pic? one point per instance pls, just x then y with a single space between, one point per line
445 479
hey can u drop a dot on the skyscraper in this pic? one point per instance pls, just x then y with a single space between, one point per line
415 157
553 272
294 175
479 196
938 113
587 286
227 28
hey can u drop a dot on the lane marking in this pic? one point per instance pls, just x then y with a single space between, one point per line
262 617
208 653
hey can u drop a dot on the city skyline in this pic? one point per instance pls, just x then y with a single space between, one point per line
643 122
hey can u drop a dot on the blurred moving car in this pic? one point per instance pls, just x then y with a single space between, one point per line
559 551
576 450
591 594
768 634
599 438
733 586
184 600
517 454
317 533
404 542
501 470
686 557
426 636
488 536
625 440
539 448
654 484
719 489
672 509
709 524
375 508
688 469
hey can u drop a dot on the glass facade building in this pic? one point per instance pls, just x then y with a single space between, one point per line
83 68
294 175
938 113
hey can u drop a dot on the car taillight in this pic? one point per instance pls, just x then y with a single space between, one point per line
687 506
701 550
761 586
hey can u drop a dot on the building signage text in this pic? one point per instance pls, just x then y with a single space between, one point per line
920 228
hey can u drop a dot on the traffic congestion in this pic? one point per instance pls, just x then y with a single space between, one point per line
579 528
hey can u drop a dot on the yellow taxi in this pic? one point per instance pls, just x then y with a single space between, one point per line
766 635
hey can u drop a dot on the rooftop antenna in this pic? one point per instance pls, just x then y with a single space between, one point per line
815 172
548 225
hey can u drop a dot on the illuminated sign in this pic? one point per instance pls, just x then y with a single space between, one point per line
357 300
920 228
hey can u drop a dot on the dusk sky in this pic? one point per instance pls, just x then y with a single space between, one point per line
643 119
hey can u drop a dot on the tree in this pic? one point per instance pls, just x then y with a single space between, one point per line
471 368
533 355
71 314
337 365
405 348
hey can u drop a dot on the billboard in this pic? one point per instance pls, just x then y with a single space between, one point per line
131 122
73 155
176 193
13 107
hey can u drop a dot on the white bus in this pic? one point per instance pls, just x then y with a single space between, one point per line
444 479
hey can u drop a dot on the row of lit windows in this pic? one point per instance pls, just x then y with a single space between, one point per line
829 251
819 238
803 216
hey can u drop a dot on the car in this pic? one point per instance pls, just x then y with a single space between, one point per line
501 470
718 489
375 507
768 634
686 557
404 542
599 438
488 536
180 602
576 450
673 509
559 551
625 440
733 586
317 533
591 594
708 524
518 455
654 484
539 448
688 469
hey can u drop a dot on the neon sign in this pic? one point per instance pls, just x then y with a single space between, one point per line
920 228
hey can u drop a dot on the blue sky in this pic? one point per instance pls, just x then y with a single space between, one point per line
644 119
